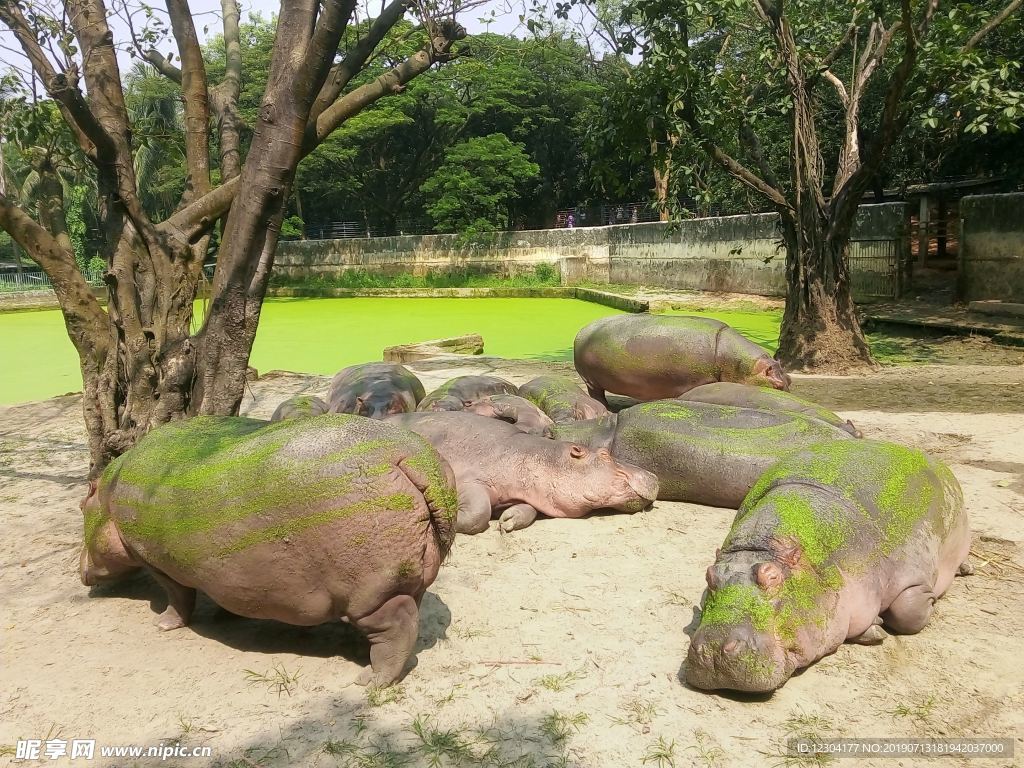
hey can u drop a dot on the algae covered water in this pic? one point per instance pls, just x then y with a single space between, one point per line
323 335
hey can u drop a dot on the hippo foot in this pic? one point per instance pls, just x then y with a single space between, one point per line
910 611
873 635
966 569
170 619
516 517
392 631
474 509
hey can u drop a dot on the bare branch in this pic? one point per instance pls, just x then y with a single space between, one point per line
195 96
839 86
992 23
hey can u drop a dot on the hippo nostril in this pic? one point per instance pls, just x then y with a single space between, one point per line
734 647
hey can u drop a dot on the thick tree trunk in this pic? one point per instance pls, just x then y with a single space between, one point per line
820 329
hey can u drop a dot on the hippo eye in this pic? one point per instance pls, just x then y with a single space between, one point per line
577 451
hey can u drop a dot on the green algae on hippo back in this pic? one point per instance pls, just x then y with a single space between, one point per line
706 453
649 357
833 543
767 398
216 485
302 521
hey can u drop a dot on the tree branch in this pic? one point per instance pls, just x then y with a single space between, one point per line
224 97
355 59
991 24
196 98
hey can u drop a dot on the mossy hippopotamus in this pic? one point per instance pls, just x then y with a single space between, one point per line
375 390
500 468
562 399
516 410
833 543
303 521
300 406
650 357
462 391
749 396
701 453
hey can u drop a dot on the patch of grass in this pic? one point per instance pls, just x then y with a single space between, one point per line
919 712
675 597
558 727
7 749
378 695
801 725
448 698
636 711
279 679
708 754
662 753
438 746
558 683
338 748
355 279
468 633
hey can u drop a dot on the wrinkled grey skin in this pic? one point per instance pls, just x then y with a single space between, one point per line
374 390
701 453
516 410
499 468
748 396
809 565
562 399
459 393
649 357
299 407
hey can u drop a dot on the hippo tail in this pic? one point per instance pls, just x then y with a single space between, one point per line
434 478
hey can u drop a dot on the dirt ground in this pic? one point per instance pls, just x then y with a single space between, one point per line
558 645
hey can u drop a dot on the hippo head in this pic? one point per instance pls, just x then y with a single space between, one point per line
448 403
382 401
768 372
586 479
104 556
758 619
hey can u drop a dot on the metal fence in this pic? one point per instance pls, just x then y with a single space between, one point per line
26 280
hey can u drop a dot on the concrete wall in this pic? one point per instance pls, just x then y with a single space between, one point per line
992 247
741 254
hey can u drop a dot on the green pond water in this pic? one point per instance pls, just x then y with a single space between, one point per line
323 335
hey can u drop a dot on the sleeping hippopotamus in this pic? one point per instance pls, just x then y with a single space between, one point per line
832 544
299 406
303 521
701 453
458 393
374 390
562 399
748 396
516 410
650 357
498 467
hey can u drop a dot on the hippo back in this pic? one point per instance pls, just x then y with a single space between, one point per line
300 406
212 500
766 398
561 399
711 454
454 393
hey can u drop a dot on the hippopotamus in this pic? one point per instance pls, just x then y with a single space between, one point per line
651 357
375 390
748 396
300 406
462 391
701 453
499 468
832 544
562 399
516 410
303 521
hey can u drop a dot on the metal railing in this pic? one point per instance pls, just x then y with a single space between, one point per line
26 280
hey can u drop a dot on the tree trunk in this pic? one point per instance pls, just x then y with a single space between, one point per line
820 329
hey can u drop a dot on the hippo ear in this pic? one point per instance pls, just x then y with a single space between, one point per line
89 495
577 451
711 577
768 575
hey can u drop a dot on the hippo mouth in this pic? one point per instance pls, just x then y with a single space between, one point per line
743 667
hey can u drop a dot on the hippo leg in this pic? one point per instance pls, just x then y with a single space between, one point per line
597 394
910 611
181 600
392 631
474 509
873 635
517 517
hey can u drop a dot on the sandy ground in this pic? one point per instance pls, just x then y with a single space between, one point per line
558 645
